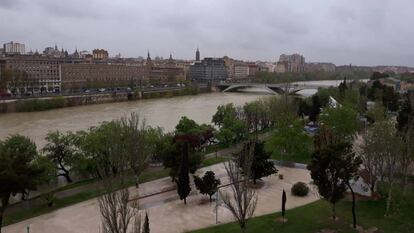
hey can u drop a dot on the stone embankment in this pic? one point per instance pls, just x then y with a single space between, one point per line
47 103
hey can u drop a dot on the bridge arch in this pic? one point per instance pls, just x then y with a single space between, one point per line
235 87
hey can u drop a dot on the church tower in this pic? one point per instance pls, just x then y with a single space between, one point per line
171 62
148 57
197 55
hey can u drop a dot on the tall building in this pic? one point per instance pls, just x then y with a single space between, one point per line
197 55
229 63
36 73
14 48
100 54
241 70
208 70
149 61
78 76
54 52
253 68
163 72
290 63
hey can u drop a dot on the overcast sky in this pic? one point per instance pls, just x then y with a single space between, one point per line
361 32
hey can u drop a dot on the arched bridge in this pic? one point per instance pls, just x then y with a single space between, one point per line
273 88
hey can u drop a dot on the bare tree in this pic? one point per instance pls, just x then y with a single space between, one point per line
371 149
117 213
137 149
407 156
243 200
392 155
382 150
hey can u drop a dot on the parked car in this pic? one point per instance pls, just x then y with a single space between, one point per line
5 94
101 89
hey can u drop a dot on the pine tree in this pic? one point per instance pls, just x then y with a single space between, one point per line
261 166
146 228
283 204
183 183
208 184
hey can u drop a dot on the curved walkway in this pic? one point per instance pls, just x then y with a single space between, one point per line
166 212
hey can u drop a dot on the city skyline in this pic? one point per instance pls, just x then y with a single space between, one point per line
361 33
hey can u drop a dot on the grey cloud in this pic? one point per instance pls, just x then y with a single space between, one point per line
365 32
7 4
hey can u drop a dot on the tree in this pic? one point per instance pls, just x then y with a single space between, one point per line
315 108
351 164
342 88
289 138
146 228
13 79
171 157
262 166
406 159
208 184
285 107
186 126
202 133
18 172
136 140
47 177
183 182
104 150
405 115
232 128
304 107
241 201
256 115
283 204
390 149
331 171
405 127
342 121
380 149
60 149
385 94
115 211
377 113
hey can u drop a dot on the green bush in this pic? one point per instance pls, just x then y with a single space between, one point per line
40 104
300 189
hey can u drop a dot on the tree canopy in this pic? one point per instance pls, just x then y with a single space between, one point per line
18 170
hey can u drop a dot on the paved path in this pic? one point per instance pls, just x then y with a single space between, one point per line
166 212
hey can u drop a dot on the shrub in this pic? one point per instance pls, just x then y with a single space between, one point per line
300 189
40 104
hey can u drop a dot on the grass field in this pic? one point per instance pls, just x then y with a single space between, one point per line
316 216
297 158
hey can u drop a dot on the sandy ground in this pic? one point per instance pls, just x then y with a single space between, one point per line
166 212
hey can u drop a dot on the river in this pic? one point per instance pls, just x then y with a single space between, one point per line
164 112
157 112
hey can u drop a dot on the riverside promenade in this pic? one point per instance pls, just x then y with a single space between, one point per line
166 212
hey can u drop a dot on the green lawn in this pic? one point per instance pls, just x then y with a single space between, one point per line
82 196
316 216
212 161
297 158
